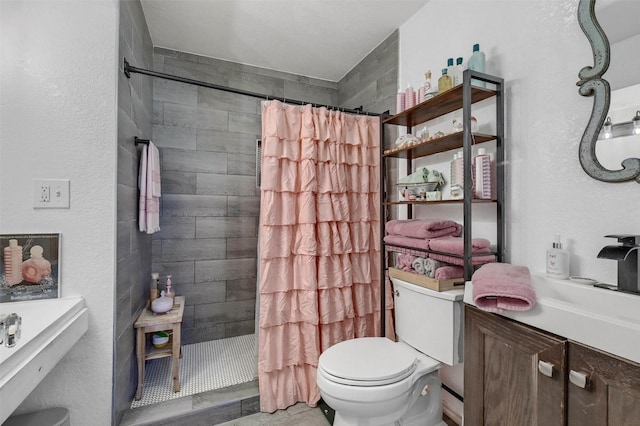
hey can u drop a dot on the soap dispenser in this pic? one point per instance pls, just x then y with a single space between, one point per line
168 291
557 261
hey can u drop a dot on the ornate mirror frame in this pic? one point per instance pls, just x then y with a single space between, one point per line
592 84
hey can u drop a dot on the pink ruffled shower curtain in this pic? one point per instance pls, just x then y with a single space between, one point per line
319 244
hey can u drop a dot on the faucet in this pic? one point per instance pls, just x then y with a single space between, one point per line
628 261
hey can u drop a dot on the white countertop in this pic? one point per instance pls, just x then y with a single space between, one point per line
603 319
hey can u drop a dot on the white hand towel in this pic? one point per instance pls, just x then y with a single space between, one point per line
149 184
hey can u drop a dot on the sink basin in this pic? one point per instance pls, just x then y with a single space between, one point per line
603 319
50 328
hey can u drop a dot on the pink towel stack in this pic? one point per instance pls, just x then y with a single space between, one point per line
500 286
455 245
417 234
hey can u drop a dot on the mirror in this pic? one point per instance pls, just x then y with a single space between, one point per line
614 45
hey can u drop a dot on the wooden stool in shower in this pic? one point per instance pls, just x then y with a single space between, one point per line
148 322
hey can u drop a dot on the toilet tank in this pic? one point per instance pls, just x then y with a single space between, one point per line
430 321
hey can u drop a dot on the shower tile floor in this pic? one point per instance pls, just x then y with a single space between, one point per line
204 366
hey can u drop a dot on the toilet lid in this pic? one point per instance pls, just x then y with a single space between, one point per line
368 361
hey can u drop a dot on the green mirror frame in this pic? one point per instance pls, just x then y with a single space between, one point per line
593 84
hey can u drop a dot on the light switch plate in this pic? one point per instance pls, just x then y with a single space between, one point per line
51 193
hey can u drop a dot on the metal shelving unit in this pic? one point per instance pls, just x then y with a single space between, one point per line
460 97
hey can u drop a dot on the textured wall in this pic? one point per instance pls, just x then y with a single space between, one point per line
538 48
58 120
547 192
135 108
210 205
373 84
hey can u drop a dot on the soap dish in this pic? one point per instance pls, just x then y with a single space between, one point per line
583 280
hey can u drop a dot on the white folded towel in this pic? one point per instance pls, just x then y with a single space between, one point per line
149 184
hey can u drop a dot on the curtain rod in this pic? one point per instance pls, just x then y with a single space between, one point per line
128 69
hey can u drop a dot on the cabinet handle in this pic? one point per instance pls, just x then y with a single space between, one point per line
397 293
545 368
581 380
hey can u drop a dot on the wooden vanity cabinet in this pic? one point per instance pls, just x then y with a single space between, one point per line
502 384
506 382
611 395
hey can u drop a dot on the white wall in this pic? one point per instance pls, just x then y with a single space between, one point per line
58 120
538 48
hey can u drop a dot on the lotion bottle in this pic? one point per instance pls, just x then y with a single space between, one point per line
477 63
557 261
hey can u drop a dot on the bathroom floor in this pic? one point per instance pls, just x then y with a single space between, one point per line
204 367
296 415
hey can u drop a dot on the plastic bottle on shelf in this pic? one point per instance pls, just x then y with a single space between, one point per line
444 82
457 176
425 88
457 72
450 66
400 102
12 257
482 175
410 97
477 63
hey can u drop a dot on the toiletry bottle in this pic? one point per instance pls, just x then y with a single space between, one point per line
457 176
450 66
12 257
37 267
409 97
482 175
557 261
477 63
425 88
153 286
405 193
400 102
168 291
444 82
457 72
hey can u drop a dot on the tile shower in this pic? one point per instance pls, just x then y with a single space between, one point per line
210 204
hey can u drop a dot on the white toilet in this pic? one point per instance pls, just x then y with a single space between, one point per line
374 381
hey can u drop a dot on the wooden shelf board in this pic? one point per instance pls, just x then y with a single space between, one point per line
424 281
434 146
395 203
439 105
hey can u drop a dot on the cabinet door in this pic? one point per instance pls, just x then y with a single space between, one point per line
502 383
611 395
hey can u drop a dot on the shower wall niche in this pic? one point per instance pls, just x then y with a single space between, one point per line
210 205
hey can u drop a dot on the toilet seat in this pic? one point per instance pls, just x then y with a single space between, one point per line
370 361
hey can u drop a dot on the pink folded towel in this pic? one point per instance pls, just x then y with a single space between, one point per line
449 272
407 241
500 286
455 245
476 260
423 228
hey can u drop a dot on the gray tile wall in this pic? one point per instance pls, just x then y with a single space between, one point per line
210 205
135 110
373 83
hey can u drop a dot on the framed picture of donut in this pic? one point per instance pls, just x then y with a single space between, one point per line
30 267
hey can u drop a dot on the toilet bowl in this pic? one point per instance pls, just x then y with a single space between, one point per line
373 381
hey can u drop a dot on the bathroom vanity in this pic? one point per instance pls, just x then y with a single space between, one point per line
50 328
519 373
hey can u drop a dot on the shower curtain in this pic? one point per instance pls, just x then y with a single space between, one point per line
319 244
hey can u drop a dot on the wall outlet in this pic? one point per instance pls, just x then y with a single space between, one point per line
51 193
